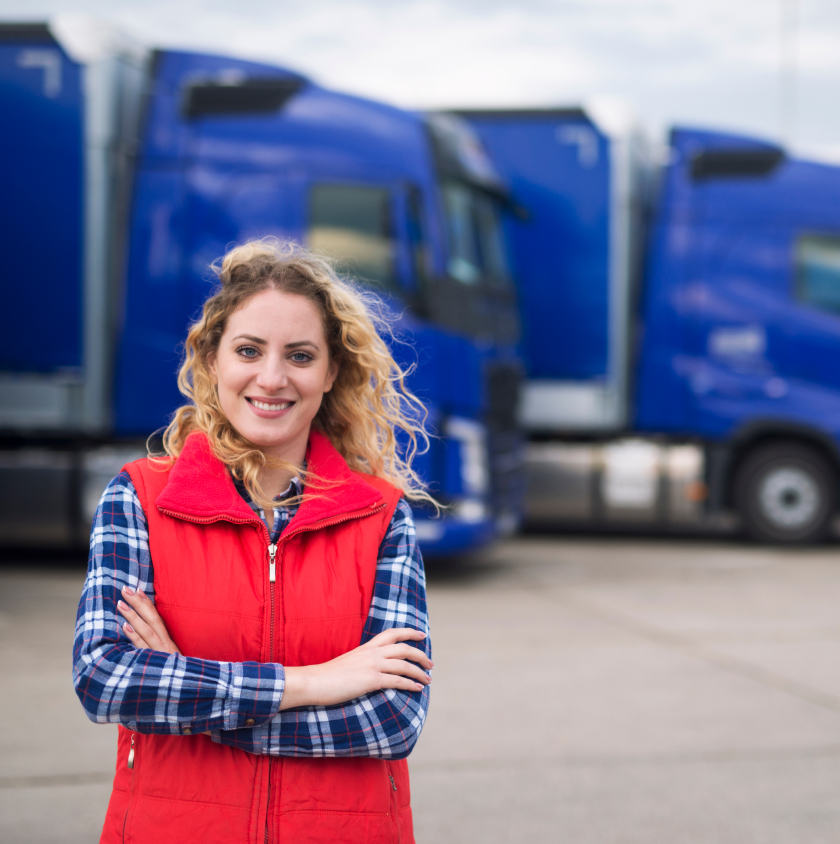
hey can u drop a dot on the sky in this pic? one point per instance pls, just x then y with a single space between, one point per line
769 68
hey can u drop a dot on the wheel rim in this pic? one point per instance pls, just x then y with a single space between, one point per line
789 498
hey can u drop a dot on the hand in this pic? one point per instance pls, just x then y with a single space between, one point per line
384 662
144 626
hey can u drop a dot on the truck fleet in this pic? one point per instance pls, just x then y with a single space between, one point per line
678 324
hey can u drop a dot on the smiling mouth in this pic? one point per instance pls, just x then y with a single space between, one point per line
264 405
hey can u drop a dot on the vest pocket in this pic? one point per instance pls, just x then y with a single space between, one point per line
395 803
130 762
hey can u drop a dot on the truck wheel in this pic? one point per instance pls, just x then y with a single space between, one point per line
786 492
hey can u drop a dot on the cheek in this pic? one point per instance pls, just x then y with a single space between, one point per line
323 382
229 382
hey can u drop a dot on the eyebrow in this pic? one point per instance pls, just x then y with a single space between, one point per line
294 345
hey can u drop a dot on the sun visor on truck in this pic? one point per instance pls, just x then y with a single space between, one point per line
459 154
735 163
246 96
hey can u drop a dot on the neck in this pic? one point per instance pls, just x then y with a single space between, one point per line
275 481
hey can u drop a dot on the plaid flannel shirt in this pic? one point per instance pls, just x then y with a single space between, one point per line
153 692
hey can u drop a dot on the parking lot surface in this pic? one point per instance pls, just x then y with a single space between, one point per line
586 690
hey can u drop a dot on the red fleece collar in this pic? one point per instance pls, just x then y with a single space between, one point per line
200 487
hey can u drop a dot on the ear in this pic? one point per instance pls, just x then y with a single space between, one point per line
332 374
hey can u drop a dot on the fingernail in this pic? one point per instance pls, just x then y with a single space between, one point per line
128 627
122 605
128 590
141 593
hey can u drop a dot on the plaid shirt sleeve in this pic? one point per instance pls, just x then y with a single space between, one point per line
144 690
384 724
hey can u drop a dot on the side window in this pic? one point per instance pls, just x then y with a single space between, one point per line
818 272
352 224
463 249
476 247
491 242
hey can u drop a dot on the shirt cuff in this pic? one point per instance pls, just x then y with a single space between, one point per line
256 689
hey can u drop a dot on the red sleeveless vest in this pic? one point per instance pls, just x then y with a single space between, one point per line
212 587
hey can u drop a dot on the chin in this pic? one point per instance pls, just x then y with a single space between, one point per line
268 440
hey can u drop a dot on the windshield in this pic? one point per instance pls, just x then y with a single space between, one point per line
476 246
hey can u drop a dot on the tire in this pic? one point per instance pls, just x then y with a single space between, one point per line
786 493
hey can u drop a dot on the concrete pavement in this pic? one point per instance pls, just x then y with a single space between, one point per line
586 690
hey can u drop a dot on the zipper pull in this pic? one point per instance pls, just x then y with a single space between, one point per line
131 753
272 571
393 784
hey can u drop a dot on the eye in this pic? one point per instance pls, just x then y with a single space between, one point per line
301 357
248 352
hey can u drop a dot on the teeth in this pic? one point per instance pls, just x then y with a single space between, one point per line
265 406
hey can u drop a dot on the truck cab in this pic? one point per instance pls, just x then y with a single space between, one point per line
681 325
741 315
223 150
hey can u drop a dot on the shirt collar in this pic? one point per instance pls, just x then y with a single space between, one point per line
294 489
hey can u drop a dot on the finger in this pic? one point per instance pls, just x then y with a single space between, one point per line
141 604
396 681
397 634
140 626
406 669
407 652
134 637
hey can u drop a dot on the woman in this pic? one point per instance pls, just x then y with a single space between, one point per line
273 544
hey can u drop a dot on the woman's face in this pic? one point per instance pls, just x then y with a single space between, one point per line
273 368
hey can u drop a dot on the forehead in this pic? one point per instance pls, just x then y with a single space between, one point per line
277 314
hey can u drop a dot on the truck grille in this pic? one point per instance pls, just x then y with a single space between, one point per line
506 443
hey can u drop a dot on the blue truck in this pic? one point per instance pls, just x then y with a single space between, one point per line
127 171
681 324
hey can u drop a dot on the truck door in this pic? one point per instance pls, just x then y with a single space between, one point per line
757 307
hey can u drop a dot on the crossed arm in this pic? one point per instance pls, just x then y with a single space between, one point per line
383 662
371 701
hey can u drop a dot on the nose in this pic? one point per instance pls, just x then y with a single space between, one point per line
272 375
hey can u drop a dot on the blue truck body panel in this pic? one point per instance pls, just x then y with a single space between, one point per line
729 338
42 183
557 164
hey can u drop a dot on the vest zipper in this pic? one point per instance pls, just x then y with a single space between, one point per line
267 815
260 524
359 514
272 577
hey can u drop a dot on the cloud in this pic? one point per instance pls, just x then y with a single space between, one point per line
678 60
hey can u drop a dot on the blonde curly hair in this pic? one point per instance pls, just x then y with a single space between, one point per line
368 403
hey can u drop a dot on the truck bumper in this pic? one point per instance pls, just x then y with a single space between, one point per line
448 535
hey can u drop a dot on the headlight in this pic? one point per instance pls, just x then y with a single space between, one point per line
472 439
